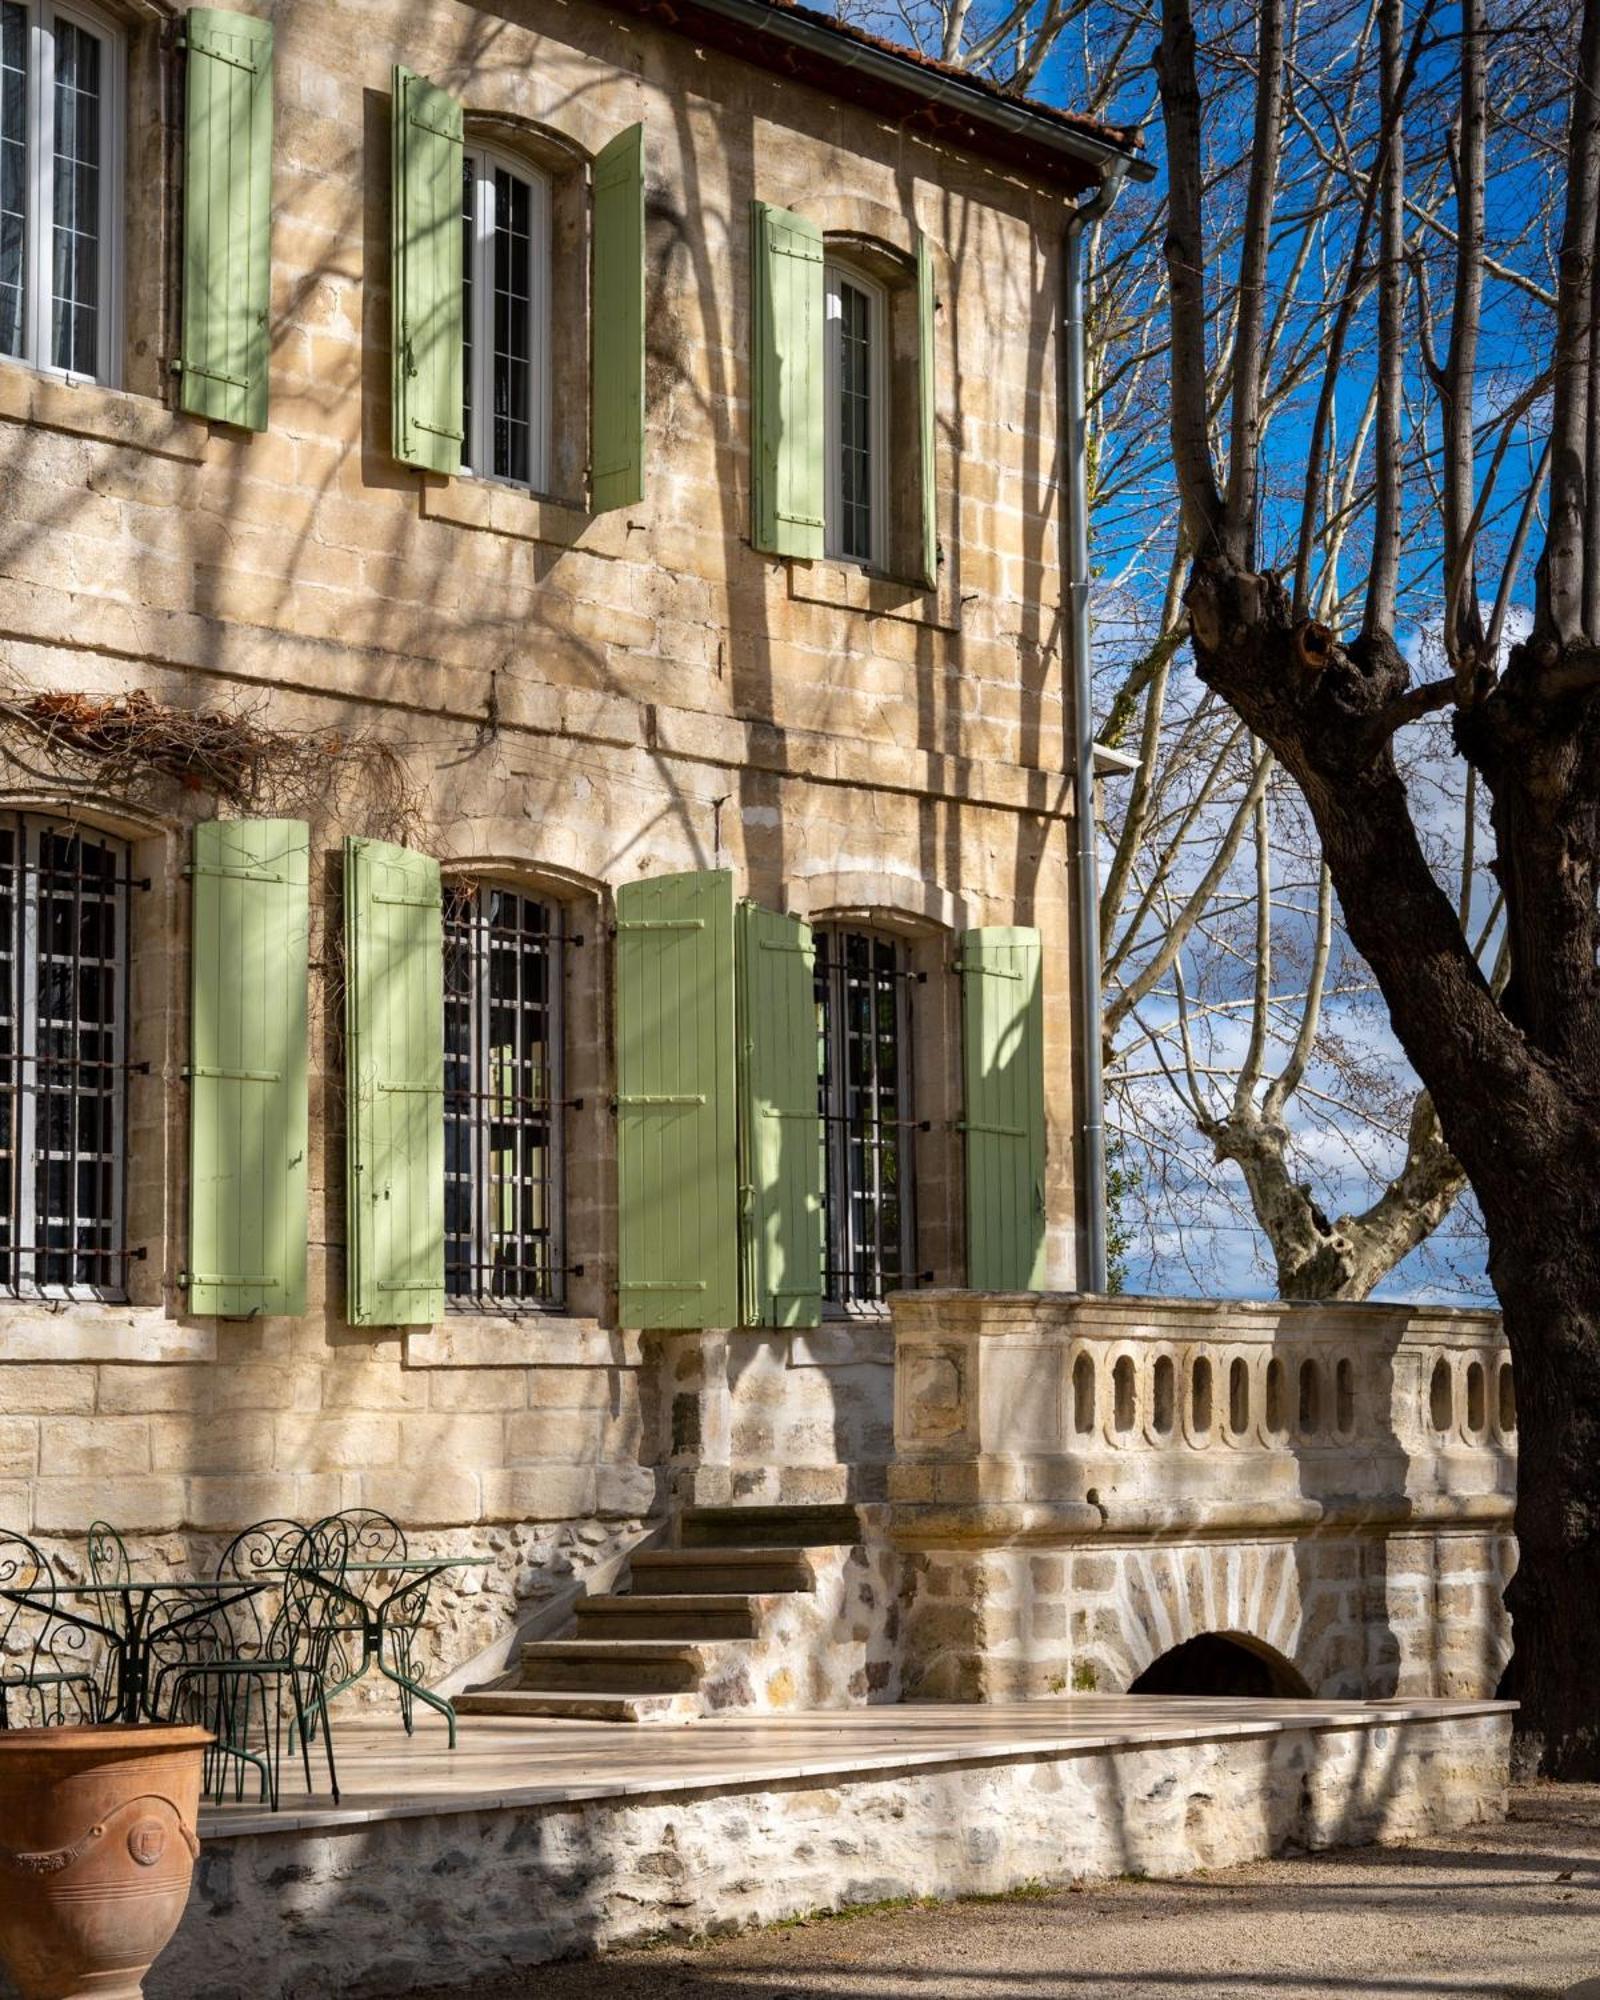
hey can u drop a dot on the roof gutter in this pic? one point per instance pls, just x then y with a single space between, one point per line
1012 116
1075 579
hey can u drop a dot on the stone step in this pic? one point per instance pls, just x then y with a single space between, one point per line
585 1705
758 1528
678 1615
628 1666
696 1572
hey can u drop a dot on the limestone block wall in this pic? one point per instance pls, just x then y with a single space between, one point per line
535 693
772 1418
1082 1486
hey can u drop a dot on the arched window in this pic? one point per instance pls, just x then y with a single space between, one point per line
856 425
60 184
63 1075
868 1127
503 1165
505 275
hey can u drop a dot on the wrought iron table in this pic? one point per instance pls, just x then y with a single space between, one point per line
141 1624
385 1617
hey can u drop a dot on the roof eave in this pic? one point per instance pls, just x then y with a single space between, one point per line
973 119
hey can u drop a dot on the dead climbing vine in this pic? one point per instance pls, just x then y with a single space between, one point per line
103 747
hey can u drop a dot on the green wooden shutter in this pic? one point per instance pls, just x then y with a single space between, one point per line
426 274
617 321
1003 1071
677 1134
927 412
394 1073
786 375
780 1124
247 1068
227 218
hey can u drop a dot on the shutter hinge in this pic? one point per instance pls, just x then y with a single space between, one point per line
207 1071
189 1279
192 869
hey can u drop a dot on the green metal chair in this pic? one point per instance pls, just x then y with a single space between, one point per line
364 1535
108 1555
49 1673
256 1669
108 1564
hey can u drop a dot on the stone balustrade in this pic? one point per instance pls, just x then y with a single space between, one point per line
1203 1468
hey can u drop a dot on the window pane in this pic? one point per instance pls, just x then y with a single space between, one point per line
469 232
502 1099
78 112
513 325
13 171
855 422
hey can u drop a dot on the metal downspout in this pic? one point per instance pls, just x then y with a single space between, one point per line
1075 576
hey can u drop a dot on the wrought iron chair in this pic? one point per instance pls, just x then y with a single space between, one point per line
49 1672
363 1535
108 1564
108 1555
251 1669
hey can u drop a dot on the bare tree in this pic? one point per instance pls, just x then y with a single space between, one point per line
1500 375
1243 1078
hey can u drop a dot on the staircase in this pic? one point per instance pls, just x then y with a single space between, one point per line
704 1627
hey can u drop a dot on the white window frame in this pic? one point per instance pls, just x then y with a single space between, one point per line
837 272
29 831
477 448
479 1298
38 252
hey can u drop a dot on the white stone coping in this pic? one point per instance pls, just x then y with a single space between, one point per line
741 1755
83 1330
1153 1318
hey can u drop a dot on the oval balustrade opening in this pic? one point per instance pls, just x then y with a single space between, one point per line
1217 1664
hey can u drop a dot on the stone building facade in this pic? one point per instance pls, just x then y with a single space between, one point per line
549 696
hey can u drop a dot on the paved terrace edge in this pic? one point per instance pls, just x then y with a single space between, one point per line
1267 1718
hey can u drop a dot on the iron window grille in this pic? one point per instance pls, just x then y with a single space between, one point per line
868 1125
504 1168
60 188
505 364
63 1034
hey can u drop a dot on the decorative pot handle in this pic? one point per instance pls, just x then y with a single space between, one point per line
51 1860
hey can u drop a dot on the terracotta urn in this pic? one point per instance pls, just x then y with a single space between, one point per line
97 1844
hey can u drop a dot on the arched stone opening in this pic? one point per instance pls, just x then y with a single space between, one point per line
1223 1663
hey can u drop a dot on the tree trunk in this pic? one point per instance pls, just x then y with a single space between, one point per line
1552 1319
1516 1089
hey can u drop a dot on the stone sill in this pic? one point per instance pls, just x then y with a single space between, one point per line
538 1340
34 1330
87 409
851 588
498 509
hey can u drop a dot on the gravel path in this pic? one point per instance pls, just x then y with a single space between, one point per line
1506 1910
